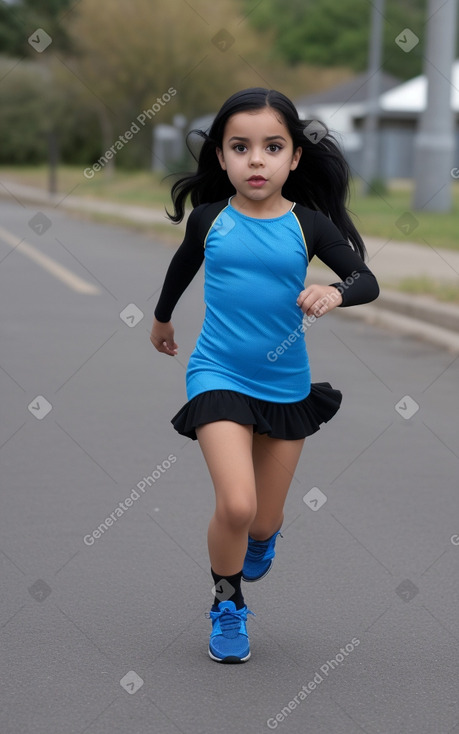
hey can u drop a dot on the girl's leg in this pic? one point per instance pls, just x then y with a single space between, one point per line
274 461
227 449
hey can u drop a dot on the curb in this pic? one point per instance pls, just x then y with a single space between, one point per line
406 325
417 316
79 204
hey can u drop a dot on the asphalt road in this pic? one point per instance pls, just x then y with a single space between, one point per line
104 631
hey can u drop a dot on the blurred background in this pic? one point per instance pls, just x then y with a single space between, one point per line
109 60
96 98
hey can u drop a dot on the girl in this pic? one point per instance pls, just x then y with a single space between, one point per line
268 195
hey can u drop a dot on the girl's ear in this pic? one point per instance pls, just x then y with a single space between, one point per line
296 158
221 158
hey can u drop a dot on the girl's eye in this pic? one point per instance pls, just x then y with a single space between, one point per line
272 147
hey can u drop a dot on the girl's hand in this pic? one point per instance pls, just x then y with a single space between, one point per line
316 300
162 337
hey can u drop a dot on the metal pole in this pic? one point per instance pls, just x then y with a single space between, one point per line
434 143
53 160
370 158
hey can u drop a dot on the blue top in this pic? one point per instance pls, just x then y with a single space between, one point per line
254 272
252 339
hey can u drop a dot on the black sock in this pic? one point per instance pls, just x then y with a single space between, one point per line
228 588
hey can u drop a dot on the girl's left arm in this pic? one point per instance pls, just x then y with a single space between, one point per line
358 284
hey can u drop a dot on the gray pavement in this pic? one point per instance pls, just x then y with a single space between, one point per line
103 632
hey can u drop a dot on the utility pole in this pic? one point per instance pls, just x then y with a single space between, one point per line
370 157
434 143
53 160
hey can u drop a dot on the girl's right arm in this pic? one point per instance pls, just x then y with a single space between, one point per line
182 269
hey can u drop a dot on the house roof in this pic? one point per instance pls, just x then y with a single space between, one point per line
406 98
354 90
412 95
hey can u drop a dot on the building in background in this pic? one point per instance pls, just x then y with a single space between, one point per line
343 110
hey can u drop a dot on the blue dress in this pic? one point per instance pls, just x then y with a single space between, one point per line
250 363
254 272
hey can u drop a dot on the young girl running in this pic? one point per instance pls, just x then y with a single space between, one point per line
268 195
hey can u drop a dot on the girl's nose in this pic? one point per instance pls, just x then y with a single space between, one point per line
256 158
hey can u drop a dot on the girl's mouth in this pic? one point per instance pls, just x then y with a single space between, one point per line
256 181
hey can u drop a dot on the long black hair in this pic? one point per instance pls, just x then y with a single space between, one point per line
320 181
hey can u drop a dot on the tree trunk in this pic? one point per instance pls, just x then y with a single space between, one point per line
106 127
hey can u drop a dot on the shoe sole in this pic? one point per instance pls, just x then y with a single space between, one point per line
230 659
258 578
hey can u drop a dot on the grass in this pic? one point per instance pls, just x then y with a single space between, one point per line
376 215
379 216
142 188
424 286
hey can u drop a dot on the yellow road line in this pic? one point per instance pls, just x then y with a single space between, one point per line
60 272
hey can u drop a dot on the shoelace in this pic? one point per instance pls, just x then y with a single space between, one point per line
230 621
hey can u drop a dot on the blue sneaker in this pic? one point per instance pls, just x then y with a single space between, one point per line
229 642
259 558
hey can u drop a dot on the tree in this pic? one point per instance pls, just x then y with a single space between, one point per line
332 32
35 104
129 54
21 103
18 20
112 60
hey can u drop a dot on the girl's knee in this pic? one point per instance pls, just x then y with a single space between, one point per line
237 512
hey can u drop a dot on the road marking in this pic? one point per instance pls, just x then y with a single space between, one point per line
60 272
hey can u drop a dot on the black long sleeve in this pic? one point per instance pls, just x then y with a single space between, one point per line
329 246
182 268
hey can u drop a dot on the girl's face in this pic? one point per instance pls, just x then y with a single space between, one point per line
258 153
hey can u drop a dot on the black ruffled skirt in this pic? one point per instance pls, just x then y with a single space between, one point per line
289 421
